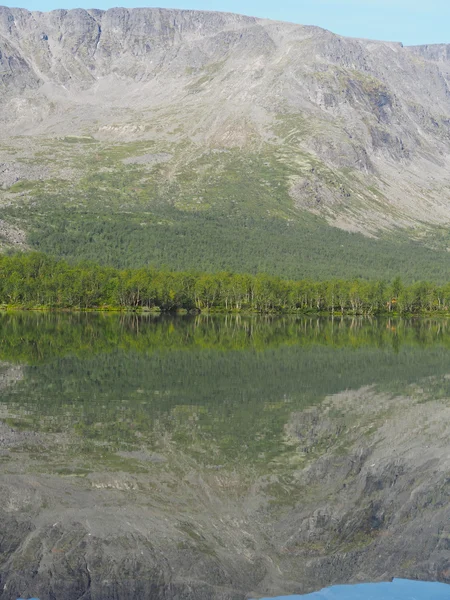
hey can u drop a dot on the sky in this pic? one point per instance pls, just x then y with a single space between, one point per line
407 21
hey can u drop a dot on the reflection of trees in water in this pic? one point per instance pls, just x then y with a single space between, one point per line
36 337
229 382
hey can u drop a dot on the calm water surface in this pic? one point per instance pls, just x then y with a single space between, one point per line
221 457
398 589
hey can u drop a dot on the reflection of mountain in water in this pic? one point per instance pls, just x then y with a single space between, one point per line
194 458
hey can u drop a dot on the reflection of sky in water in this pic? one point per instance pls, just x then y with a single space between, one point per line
398 589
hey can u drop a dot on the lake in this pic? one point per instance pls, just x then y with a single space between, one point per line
221 457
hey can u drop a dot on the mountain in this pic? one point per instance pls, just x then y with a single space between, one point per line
215 141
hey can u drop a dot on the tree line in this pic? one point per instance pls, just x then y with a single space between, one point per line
34 280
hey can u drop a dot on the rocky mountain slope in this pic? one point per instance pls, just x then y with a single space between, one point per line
354 131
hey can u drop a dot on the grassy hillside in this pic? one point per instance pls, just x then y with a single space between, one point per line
178 207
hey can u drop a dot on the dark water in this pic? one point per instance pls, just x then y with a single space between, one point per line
288 454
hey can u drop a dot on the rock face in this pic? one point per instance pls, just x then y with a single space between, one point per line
378 111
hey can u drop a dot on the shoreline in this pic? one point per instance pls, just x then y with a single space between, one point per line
225 312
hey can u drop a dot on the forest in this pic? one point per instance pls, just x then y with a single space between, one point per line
128 217
34 280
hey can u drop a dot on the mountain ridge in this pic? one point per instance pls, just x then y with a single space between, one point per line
93 12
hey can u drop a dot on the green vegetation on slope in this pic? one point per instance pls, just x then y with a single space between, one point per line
246 245
209 211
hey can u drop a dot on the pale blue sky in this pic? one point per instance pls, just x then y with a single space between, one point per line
407 21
